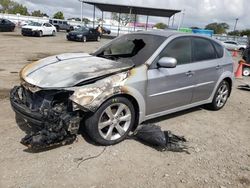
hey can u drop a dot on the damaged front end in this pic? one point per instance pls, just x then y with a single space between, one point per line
47 116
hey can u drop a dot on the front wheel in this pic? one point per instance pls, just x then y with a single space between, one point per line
112 122
220 97
40 33
53 33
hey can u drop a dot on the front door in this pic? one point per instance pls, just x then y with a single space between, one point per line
170 88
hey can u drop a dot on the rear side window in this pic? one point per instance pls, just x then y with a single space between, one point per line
203 50
180 49
219 50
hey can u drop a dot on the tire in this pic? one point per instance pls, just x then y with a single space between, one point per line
54 33
84 39
246 71
57 28
220 97
40 34
98 39
106 127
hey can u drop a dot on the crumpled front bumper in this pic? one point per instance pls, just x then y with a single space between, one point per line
51 126
23 111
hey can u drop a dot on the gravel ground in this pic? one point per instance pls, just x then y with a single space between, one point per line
220 141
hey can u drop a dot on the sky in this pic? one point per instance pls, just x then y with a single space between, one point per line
198 13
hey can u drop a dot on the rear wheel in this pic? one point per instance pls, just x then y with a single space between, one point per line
220 97
112 122
246 71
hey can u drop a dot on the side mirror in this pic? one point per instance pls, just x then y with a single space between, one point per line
167 62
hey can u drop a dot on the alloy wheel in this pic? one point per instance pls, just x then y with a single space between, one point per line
222 95
114 121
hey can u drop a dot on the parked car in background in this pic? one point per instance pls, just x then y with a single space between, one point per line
232 45
134 78
106 30
6 25
84 34
38 29
61 25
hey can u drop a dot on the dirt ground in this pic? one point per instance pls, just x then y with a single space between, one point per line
220 141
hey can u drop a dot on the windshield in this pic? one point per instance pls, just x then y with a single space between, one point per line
82 29
35 24
131 48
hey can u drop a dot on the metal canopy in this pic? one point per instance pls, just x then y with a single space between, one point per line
118 8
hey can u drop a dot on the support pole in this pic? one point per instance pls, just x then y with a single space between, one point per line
81 10
94 18
102 18
173 20
119 20
135 21
147 23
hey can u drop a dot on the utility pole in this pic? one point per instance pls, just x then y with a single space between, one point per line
236 21
81 1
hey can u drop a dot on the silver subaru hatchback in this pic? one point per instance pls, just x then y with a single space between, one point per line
134 78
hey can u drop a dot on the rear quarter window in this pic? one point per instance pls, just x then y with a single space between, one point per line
203 50
219 49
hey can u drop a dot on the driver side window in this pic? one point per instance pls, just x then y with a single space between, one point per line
180 49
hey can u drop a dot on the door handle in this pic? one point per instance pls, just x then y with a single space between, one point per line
190 73
218 67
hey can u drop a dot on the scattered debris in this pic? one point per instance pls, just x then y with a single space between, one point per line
86 159
13 72
244 181
153 136
245 87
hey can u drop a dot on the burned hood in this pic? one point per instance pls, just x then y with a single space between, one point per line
68 70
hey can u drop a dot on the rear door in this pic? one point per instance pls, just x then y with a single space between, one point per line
170 88
207 68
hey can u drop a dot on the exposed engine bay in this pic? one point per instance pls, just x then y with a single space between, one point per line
49 119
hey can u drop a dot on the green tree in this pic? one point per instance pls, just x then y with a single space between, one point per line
219 28
235 33
160 26
85 21
124 18
11 7
38 13
245 32
59 15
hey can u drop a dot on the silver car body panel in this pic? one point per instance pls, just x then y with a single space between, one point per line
158 91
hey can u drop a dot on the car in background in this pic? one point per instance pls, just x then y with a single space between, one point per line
84 34
233 45
106 30
133 78
38 29
61 25
6 25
